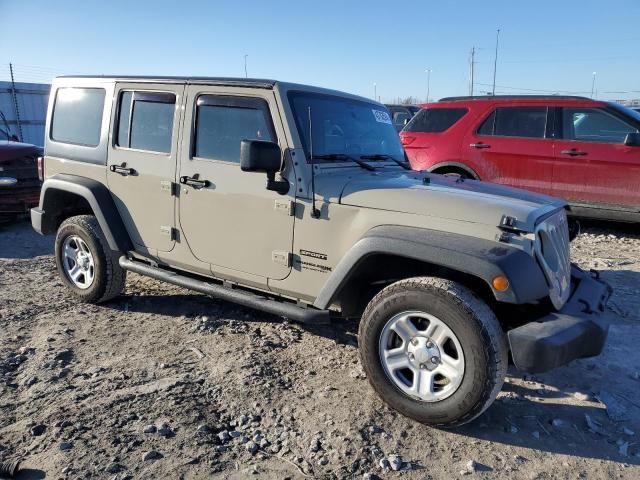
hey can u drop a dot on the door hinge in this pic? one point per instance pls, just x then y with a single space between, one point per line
168 186
170 232
283 258
284 206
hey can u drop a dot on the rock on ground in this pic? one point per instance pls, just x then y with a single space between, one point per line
238 393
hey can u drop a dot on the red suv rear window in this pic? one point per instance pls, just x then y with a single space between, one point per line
435 120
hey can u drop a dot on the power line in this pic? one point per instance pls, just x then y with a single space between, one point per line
535 90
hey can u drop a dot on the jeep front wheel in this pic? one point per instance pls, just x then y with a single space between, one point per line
86 264
433 350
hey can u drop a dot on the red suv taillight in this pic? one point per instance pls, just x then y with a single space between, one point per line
406 139
41 168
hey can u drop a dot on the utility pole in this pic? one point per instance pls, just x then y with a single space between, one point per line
15 102
472 64
245 66
428 70
495 64
593 84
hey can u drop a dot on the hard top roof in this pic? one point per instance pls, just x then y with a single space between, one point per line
231 81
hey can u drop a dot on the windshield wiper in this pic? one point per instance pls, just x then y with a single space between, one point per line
344 156
404 165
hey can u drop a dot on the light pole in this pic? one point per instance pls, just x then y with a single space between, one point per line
375 91
593 84
428 71
495 63
245 66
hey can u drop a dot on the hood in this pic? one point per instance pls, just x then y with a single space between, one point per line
10 151
444 197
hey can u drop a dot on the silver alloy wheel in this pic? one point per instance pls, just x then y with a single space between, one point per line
77 262
421 356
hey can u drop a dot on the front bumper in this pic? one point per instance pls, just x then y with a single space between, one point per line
18 200
577 330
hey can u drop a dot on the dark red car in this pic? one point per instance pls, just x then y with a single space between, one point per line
585 151
19 182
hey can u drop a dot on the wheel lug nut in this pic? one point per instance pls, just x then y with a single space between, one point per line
429 344
435 360
414 342
411 357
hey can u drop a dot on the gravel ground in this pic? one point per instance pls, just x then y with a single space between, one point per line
166 383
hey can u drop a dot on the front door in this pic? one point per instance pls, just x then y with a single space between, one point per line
512 147
593 165
142 161
227 216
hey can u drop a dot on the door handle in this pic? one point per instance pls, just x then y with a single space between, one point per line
122 169
479 145
573 152
194 181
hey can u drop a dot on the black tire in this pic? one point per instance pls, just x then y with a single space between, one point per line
471 320
109 277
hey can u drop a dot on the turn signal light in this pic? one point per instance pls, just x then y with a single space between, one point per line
500 283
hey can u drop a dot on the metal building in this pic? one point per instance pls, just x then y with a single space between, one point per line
23 111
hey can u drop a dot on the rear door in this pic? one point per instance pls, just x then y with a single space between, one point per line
142 161
228 218
512 146
593 165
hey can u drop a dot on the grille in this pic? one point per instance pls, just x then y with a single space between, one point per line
552 251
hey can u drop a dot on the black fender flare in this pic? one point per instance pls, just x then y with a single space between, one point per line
481 258
97 196
452 163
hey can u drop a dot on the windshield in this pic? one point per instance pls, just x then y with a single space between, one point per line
344 126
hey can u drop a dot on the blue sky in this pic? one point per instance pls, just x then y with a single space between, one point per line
550 46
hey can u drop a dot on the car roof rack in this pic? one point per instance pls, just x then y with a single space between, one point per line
513 97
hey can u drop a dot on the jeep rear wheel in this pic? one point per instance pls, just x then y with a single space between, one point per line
86 264
433 350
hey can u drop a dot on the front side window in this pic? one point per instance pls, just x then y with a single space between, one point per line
145 121
594 125
400 116
435 120
529 122
223 122
344 126
77 116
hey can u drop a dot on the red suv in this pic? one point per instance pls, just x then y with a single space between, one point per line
583 150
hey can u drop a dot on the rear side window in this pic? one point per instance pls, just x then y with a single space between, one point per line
77 116
145 121
223 122
435 120
530 122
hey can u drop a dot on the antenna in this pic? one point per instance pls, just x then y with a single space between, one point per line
315 213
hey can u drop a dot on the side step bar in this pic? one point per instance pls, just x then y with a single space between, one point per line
246 299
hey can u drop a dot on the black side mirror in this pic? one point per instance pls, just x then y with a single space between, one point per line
261 156
632 139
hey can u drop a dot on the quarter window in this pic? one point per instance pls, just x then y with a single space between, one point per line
435 120
594 125
145 121
223 122
530 122
77 116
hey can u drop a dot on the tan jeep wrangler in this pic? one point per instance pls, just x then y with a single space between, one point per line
298 201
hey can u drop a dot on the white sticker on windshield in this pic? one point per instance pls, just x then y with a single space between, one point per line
381 116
